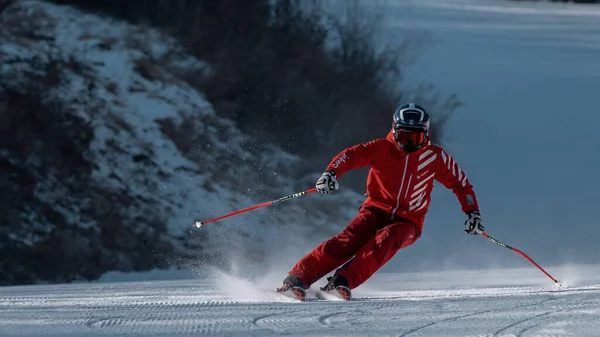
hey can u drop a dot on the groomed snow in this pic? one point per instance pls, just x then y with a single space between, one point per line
509 302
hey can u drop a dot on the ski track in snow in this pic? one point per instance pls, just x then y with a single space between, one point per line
207 307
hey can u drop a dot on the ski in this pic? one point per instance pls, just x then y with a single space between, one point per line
341 292
293 292
300 294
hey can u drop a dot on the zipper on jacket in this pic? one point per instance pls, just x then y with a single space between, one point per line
401 187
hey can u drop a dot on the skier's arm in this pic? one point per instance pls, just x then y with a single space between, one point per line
354 157
450 175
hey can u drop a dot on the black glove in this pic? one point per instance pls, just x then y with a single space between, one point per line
327 183
474 225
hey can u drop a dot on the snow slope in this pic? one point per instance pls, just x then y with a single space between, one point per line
510 302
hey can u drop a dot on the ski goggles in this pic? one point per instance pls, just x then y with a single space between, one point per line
410 137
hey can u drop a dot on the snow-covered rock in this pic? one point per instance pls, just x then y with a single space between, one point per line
107 157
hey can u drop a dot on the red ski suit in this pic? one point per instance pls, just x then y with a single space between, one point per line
399 186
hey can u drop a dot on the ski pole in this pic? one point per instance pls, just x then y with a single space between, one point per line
485 235
268 203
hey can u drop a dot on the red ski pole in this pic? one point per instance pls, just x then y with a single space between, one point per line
485 235
268 203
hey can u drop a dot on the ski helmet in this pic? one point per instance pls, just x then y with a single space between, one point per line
411 127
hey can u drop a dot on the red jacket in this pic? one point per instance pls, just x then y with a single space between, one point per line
401 183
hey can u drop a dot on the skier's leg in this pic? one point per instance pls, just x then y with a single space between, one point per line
374 254
334 252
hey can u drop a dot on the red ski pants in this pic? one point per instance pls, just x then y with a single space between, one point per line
364 246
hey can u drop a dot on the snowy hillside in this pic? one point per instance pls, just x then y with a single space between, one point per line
153 156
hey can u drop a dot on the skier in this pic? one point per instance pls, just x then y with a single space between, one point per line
399 184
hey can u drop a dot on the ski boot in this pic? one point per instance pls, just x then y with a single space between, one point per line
340 284
293 284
